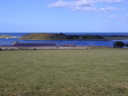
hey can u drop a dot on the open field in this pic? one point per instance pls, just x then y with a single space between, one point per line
94 72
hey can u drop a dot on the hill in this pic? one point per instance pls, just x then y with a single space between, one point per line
61 36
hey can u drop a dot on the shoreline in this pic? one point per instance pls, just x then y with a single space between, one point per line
2 48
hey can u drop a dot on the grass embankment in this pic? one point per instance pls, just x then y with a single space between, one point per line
61 36
94 72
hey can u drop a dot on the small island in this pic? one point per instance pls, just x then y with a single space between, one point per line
62 36
6 36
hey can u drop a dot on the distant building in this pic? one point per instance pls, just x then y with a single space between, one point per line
33 44
67 45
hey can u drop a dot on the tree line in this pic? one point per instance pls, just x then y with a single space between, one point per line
119 44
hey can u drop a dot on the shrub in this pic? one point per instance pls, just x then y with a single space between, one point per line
118 44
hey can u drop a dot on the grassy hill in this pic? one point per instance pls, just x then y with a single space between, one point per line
61 36
46 36
37 36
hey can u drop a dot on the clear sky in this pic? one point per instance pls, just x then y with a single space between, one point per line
63 15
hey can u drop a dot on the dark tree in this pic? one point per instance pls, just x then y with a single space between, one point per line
99 37
126 45
62 34
118 44
0 49
69 36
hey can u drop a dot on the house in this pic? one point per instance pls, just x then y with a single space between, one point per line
17 44
67 45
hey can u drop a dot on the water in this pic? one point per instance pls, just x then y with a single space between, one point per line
10 41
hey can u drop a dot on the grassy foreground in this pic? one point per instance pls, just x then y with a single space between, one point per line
94 72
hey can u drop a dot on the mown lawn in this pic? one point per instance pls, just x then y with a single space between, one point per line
94 72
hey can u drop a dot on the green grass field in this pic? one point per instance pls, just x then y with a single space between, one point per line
94 72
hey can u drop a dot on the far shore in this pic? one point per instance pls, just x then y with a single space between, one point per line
7 36
61 36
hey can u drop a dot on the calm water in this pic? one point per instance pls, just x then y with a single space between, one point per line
78 43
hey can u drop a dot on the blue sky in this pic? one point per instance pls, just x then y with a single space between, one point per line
63 15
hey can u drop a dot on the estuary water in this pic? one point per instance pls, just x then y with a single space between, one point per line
10 41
